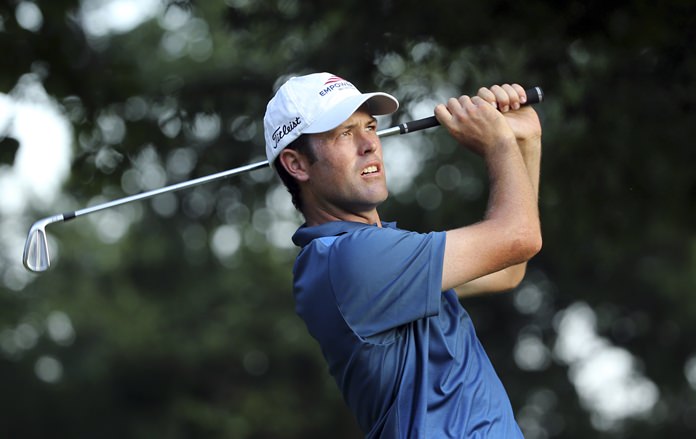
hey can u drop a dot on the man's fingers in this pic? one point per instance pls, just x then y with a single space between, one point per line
487 95
453 107
520 92
513 96
442 114
463 107
466 102
445 113
505 97
501 97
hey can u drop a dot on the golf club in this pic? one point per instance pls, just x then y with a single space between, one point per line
36 257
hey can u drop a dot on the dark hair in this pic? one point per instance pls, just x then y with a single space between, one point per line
302 145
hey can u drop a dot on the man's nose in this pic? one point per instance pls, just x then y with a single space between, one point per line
368 144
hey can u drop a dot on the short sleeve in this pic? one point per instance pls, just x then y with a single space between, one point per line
384 278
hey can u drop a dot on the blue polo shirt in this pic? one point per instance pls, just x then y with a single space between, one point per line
404 354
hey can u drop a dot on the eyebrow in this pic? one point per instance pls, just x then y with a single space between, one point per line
354 124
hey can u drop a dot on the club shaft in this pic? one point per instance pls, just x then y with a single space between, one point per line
534 95
184 185
36 252
166 189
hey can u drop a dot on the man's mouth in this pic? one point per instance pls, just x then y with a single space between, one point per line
369 170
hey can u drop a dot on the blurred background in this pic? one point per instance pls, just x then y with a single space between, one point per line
174 317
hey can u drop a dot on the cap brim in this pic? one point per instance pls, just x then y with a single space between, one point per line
378 104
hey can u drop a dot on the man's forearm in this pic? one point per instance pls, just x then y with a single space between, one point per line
510 277
508 235
508 193
531 154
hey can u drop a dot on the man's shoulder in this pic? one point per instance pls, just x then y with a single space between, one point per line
361 246
329 231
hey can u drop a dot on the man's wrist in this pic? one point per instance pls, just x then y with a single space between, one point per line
503 145
530 145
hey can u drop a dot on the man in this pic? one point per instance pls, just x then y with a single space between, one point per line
380 300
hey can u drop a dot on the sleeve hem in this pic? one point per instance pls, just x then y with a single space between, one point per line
435 290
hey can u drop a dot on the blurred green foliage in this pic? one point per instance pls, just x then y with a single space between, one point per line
174 318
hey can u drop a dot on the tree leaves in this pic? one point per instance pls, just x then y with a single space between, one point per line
175 338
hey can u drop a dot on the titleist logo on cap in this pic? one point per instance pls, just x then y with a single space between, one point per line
284 130
331 84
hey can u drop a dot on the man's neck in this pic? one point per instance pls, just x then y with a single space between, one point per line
315 217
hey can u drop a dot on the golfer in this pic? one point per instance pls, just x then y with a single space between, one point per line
383 302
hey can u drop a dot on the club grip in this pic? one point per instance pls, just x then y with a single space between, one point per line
535 95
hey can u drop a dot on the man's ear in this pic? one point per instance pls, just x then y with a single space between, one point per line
295 163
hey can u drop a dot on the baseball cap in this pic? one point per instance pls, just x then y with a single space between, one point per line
315 103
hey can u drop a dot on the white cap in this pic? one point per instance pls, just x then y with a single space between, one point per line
315 103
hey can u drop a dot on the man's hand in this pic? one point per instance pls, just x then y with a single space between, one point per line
475 123
523 121
507 98
509 234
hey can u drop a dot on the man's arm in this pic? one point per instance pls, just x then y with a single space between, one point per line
510 277
510 234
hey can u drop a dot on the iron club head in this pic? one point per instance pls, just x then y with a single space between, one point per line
36 257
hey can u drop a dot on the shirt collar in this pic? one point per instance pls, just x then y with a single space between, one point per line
305 234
